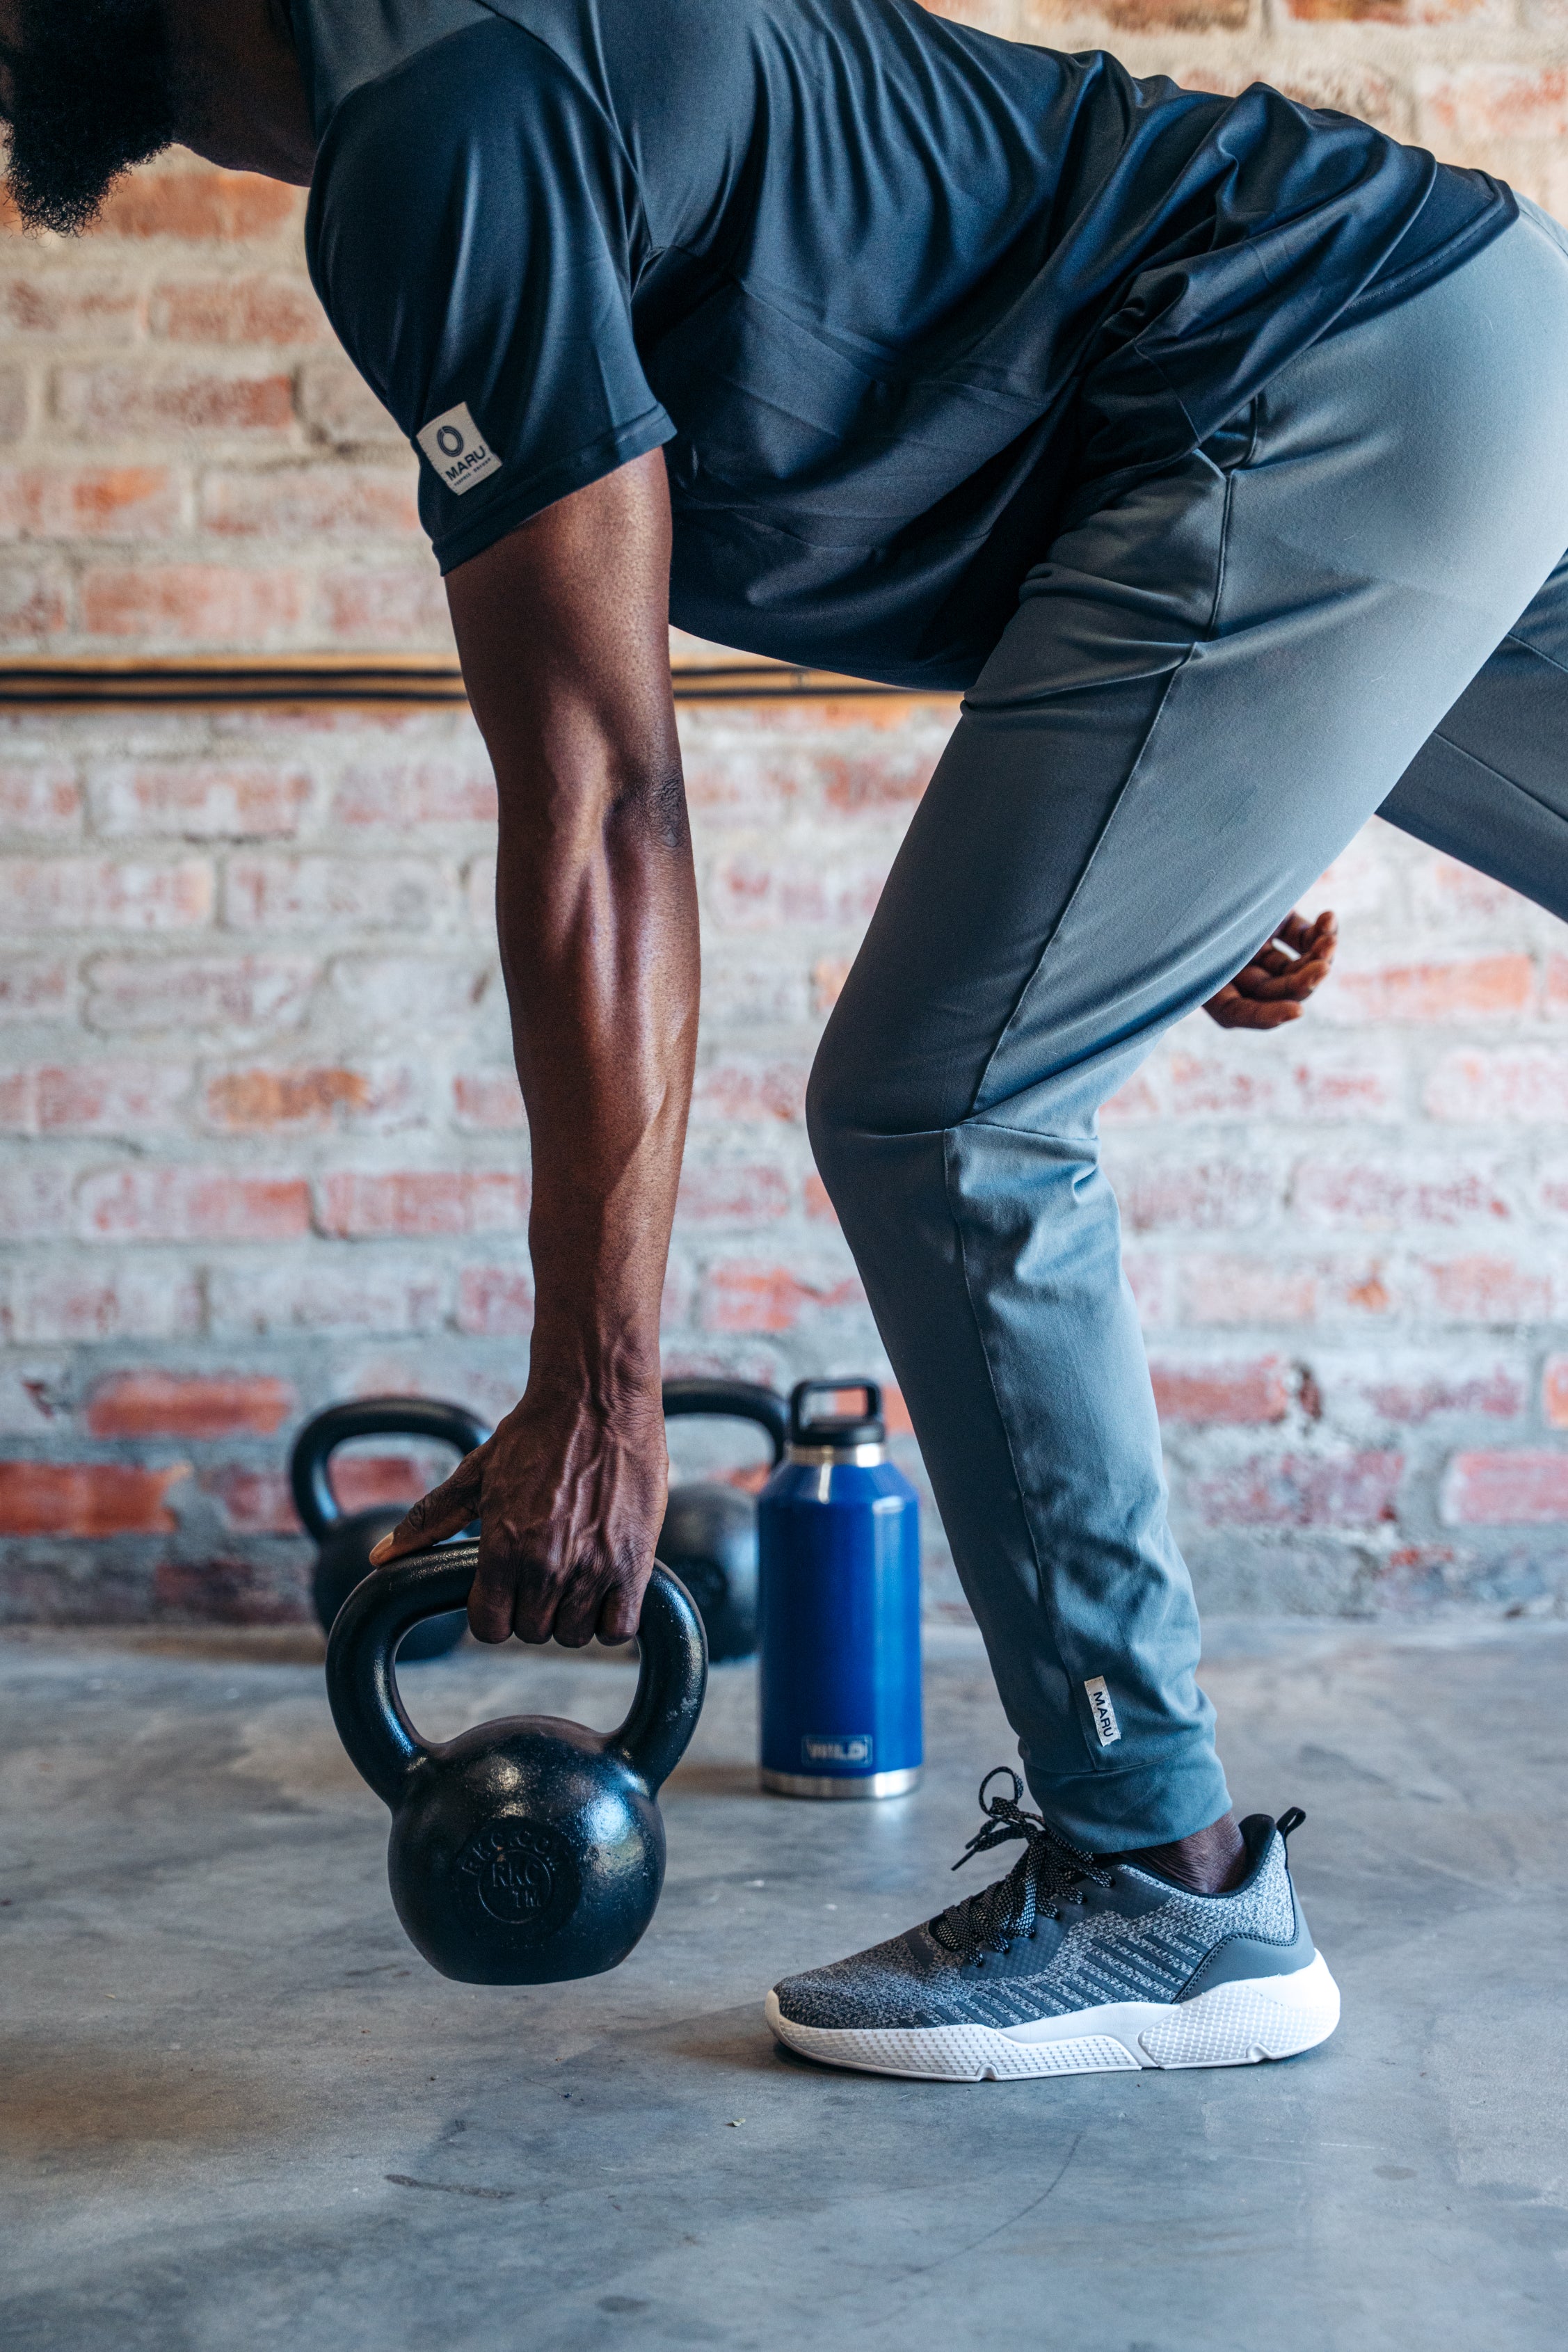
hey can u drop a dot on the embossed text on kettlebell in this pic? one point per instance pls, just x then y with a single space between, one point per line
521 1873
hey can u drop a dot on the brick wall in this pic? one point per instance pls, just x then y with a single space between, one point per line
259 1142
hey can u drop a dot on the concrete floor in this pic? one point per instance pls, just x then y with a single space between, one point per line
237 2110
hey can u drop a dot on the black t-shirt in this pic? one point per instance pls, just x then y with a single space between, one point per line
895 297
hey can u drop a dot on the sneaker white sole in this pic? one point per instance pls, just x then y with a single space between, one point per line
1235 2025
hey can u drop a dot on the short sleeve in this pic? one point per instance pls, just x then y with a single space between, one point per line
472 232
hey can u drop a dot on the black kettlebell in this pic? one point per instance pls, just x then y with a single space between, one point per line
346 1544
709 1532
528 1849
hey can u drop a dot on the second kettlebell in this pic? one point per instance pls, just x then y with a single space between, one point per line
347 1539
709 1532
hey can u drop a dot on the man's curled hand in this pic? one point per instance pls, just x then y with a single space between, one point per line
570 1497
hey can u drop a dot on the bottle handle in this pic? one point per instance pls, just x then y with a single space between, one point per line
428 1417
799 1428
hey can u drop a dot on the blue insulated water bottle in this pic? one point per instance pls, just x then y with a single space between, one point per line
838 1614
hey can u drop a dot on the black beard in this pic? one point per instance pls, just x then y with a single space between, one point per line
91 94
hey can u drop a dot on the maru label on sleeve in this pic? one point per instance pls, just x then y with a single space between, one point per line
457 449
1104 1714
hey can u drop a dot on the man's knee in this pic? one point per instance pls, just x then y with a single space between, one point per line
836 1113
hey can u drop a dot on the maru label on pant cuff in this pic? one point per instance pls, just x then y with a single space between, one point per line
1104 1714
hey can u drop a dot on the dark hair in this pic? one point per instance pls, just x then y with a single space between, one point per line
90 95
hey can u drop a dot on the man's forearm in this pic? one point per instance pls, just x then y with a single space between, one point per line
596 910
562 625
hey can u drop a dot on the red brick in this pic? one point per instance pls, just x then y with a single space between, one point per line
1500 1490
107 894
1175 16
1149 1278
292 893
1475 106
93 1097
34 604
817 1204
254 1502
39 799
752 1297
187 1204
1445 889
757 893
35 1204
399 606
259 1501
1394 12
188 992
828 974
424 791
13 403
359 1203
1482 1290
199 602
257 1101
197 800
338 407
1249 1290
86 1499
99 309
70 1301
1211 1086
156 1403
92 502
1304 1491
495 1301
733 1190
199 205
1136 1100
1554 1392
417 989
1528 1086
121 401
1477 988
749 1090
1324 1089
310 502
223 1589
342 1291
1494 1392
237 310
35 988
488 1101
1194 1196
1222 1394
1397 1194
879 777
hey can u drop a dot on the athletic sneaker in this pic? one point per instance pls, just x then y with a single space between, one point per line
1074 1965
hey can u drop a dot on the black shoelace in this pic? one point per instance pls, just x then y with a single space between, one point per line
1049 1873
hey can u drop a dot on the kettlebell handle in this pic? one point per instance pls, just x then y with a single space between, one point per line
362 1683
730 1401
393 1416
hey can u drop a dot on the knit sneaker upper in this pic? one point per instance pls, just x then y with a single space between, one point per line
1061 1932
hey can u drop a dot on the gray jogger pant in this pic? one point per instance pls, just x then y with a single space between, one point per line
1207 689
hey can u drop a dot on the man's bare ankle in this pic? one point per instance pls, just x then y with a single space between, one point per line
1211 1861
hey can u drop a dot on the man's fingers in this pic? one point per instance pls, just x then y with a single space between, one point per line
1297 979
444 1511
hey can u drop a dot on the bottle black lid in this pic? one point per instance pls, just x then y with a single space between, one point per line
835 1429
